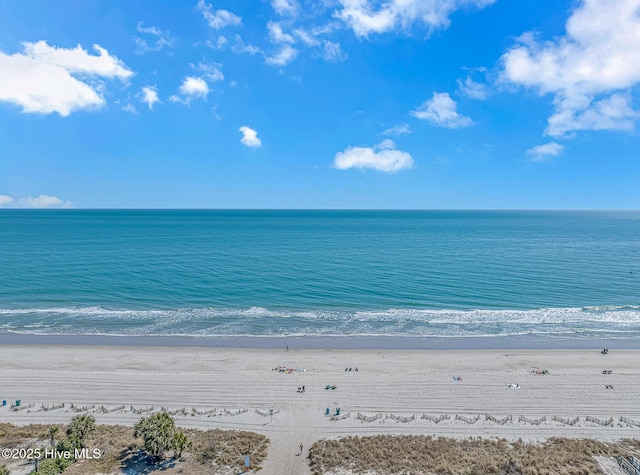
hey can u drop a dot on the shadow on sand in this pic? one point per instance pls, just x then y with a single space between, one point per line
138 462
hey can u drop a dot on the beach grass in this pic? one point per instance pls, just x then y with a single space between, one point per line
413 455
211 451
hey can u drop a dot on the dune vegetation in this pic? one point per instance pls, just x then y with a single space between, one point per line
205 452
426 455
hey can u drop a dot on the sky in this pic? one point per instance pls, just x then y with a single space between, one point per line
356 104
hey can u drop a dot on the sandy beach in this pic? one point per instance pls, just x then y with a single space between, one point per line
393 391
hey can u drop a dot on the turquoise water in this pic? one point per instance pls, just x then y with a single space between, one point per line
405 273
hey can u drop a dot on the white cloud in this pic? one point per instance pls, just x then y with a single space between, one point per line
285 7
383 157
399 129
43 78
193 88
161 39
364 19
611 113
285 41
250 137
276 35
327 50
332 52
587 70
473 89
240 47
441 110
217 19
130 108
210 71
220 43
306 37
150 30
150 96
42 201
282 57
541 153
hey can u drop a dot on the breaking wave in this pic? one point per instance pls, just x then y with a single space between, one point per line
579 322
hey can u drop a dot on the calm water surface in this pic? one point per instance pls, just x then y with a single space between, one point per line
405 273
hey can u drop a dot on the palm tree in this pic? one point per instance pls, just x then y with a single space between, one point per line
80 427
52 434
159 434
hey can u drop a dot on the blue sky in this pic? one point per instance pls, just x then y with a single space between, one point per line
320 104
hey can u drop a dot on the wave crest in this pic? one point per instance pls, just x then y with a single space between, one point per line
580 322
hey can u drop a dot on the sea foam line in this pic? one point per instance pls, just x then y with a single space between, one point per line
581 315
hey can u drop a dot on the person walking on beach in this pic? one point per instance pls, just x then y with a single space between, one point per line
301 447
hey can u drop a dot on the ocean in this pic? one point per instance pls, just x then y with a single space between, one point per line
256 273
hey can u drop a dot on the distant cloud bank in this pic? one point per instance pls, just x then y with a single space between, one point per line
41 201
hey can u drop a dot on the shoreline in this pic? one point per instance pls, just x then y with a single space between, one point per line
519 342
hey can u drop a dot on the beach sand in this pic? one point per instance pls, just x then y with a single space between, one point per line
389 382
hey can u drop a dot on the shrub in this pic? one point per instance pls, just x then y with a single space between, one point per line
159 433
49 467
80 427
180 443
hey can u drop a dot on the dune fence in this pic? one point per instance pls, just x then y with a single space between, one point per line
435 419
502 421
204 412
363 418
403 419
630 422
566 421
237 412
602 422
109 410
176 412
341 417
467 420
535 422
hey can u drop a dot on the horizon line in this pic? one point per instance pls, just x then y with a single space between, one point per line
310 209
